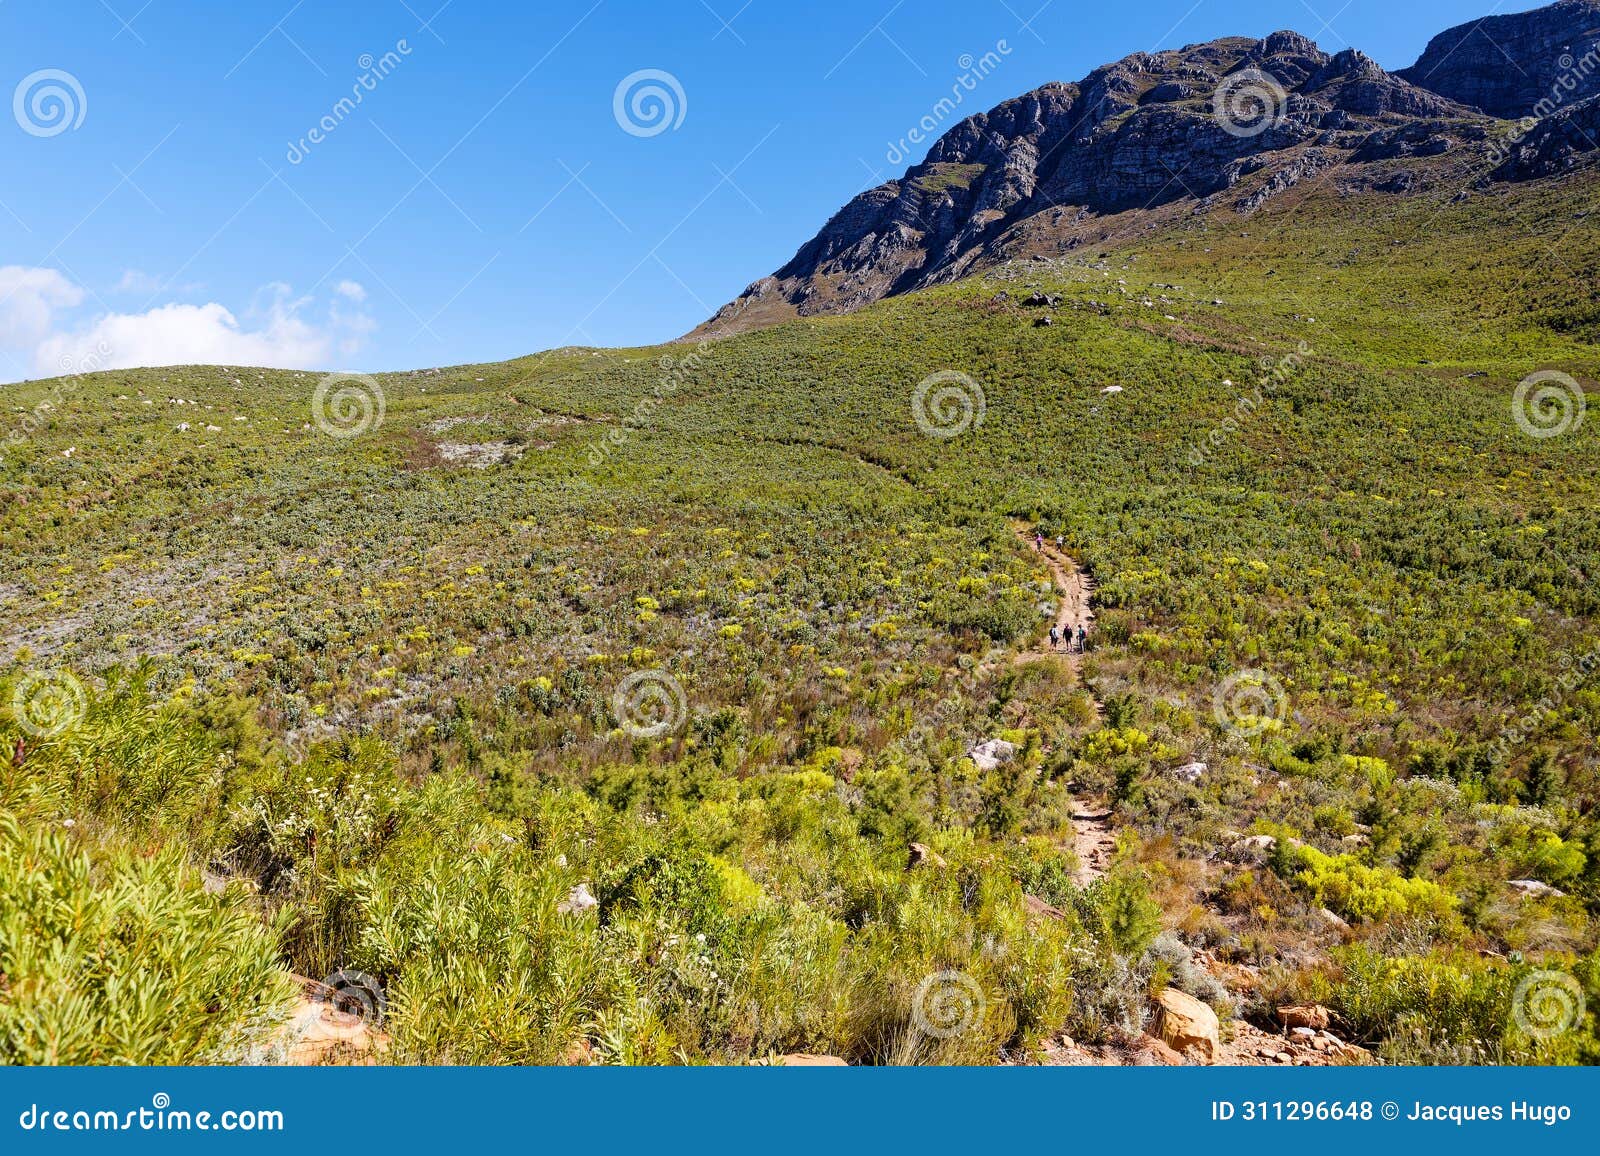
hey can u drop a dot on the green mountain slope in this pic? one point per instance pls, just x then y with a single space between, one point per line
405 690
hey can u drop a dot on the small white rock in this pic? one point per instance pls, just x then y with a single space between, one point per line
578 901
987 756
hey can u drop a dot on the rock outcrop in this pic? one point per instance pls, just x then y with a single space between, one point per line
1312 1016
1186 1025
1549 146
987 756
1233 122
1507 66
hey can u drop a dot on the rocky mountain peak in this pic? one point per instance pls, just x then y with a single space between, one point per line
1229 121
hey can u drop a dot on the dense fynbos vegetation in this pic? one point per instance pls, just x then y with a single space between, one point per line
719 660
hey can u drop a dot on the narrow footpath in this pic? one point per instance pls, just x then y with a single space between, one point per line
1092 840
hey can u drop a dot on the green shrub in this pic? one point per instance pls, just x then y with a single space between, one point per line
1360 892
115 957
1459 1008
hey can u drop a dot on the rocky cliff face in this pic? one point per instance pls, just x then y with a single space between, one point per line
1232 121
1508 65
1549 146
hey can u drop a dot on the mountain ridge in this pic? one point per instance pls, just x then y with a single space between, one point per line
1114 154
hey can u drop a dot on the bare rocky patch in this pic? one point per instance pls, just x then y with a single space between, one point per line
478 455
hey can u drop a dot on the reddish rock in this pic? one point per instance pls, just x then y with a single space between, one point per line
1313 1016
1187 1025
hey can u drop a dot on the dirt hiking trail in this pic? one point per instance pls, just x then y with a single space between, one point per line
1092 840
1077 591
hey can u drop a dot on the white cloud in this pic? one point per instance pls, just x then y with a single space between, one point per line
186 335
354 290
278 330
29 300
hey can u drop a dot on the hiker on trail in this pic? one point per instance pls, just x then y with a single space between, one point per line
1061 541
1054 635
1038 540
1083 636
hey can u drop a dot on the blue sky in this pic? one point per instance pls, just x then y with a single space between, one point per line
483 200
